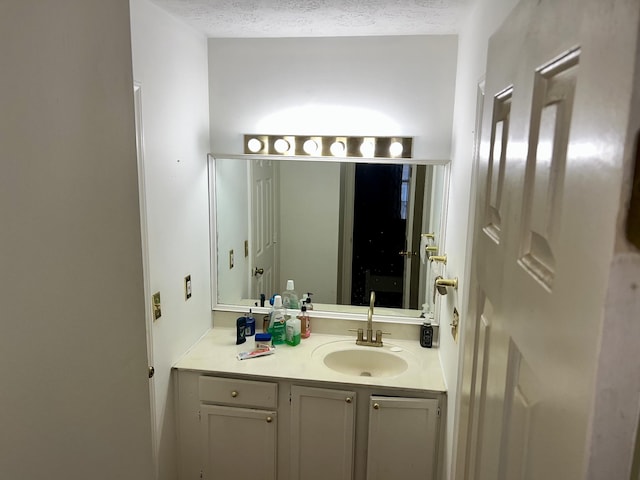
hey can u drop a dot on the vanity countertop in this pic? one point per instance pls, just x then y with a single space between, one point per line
216 353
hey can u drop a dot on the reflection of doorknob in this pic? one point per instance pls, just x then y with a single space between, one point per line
258 271
406 253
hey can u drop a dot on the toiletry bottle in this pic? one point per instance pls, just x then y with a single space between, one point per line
290 298
278 327
293 331
305 322
308 301
251 325
241 325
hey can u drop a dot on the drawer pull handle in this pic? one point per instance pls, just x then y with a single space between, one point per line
234 394
348 399
376 406
269 419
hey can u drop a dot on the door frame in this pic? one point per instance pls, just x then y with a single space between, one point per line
467 333
144 236
345 234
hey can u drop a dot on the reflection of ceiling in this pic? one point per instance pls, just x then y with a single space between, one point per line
317 18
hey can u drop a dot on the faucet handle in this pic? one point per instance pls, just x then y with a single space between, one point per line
360 333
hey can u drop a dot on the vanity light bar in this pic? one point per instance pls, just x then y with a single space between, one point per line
329 146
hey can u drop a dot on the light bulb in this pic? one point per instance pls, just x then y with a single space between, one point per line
254 145
310 147
337 149
395 149
281 145
367 148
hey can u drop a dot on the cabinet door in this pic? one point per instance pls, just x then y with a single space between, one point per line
238 443
323 432
402 438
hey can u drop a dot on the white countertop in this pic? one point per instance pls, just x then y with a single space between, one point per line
216 353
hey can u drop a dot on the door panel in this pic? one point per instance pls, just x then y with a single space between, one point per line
323 427
230 435
263 226
551 168
402 438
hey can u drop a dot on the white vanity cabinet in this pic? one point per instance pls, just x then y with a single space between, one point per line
402 438
236 441
228 427
245 427
322 433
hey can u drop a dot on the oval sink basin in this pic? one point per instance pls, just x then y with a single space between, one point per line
365 362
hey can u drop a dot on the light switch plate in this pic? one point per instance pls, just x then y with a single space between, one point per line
187 287
155 302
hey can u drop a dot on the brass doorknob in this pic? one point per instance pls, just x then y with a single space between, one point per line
258 271
376 406
438 258
234 394
447 282
269 419
348 399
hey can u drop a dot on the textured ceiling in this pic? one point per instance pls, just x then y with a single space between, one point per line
317 18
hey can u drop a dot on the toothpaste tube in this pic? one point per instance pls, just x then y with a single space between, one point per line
260 352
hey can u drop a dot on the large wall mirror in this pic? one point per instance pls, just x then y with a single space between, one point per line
339 229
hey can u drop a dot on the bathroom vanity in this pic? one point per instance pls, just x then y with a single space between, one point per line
326 408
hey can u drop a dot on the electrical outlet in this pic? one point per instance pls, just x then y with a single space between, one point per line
155 302
187 287
455 323
246 248
230 259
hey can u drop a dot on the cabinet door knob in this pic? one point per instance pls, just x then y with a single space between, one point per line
348 399
234 394
269 419
376 406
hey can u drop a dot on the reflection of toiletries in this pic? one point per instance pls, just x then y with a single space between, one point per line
266 320
290 298
277 326
426 335
307 301
293 331
305 322
241 325
250 329
262 299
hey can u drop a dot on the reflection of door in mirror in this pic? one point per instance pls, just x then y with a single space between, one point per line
381 246
264 212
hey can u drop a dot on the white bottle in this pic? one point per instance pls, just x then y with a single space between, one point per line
290 298
292 335
277 326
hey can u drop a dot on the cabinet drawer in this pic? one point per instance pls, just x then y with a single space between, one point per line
231 391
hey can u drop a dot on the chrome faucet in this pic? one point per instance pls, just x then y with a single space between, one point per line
370 340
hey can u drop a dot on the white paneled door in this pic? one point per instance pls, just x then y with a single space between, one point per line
553 156
264 267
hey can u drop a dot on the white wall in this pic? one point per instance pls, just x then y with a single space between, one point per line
309 223
482 20
232 207
74 396
170 62
358 85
